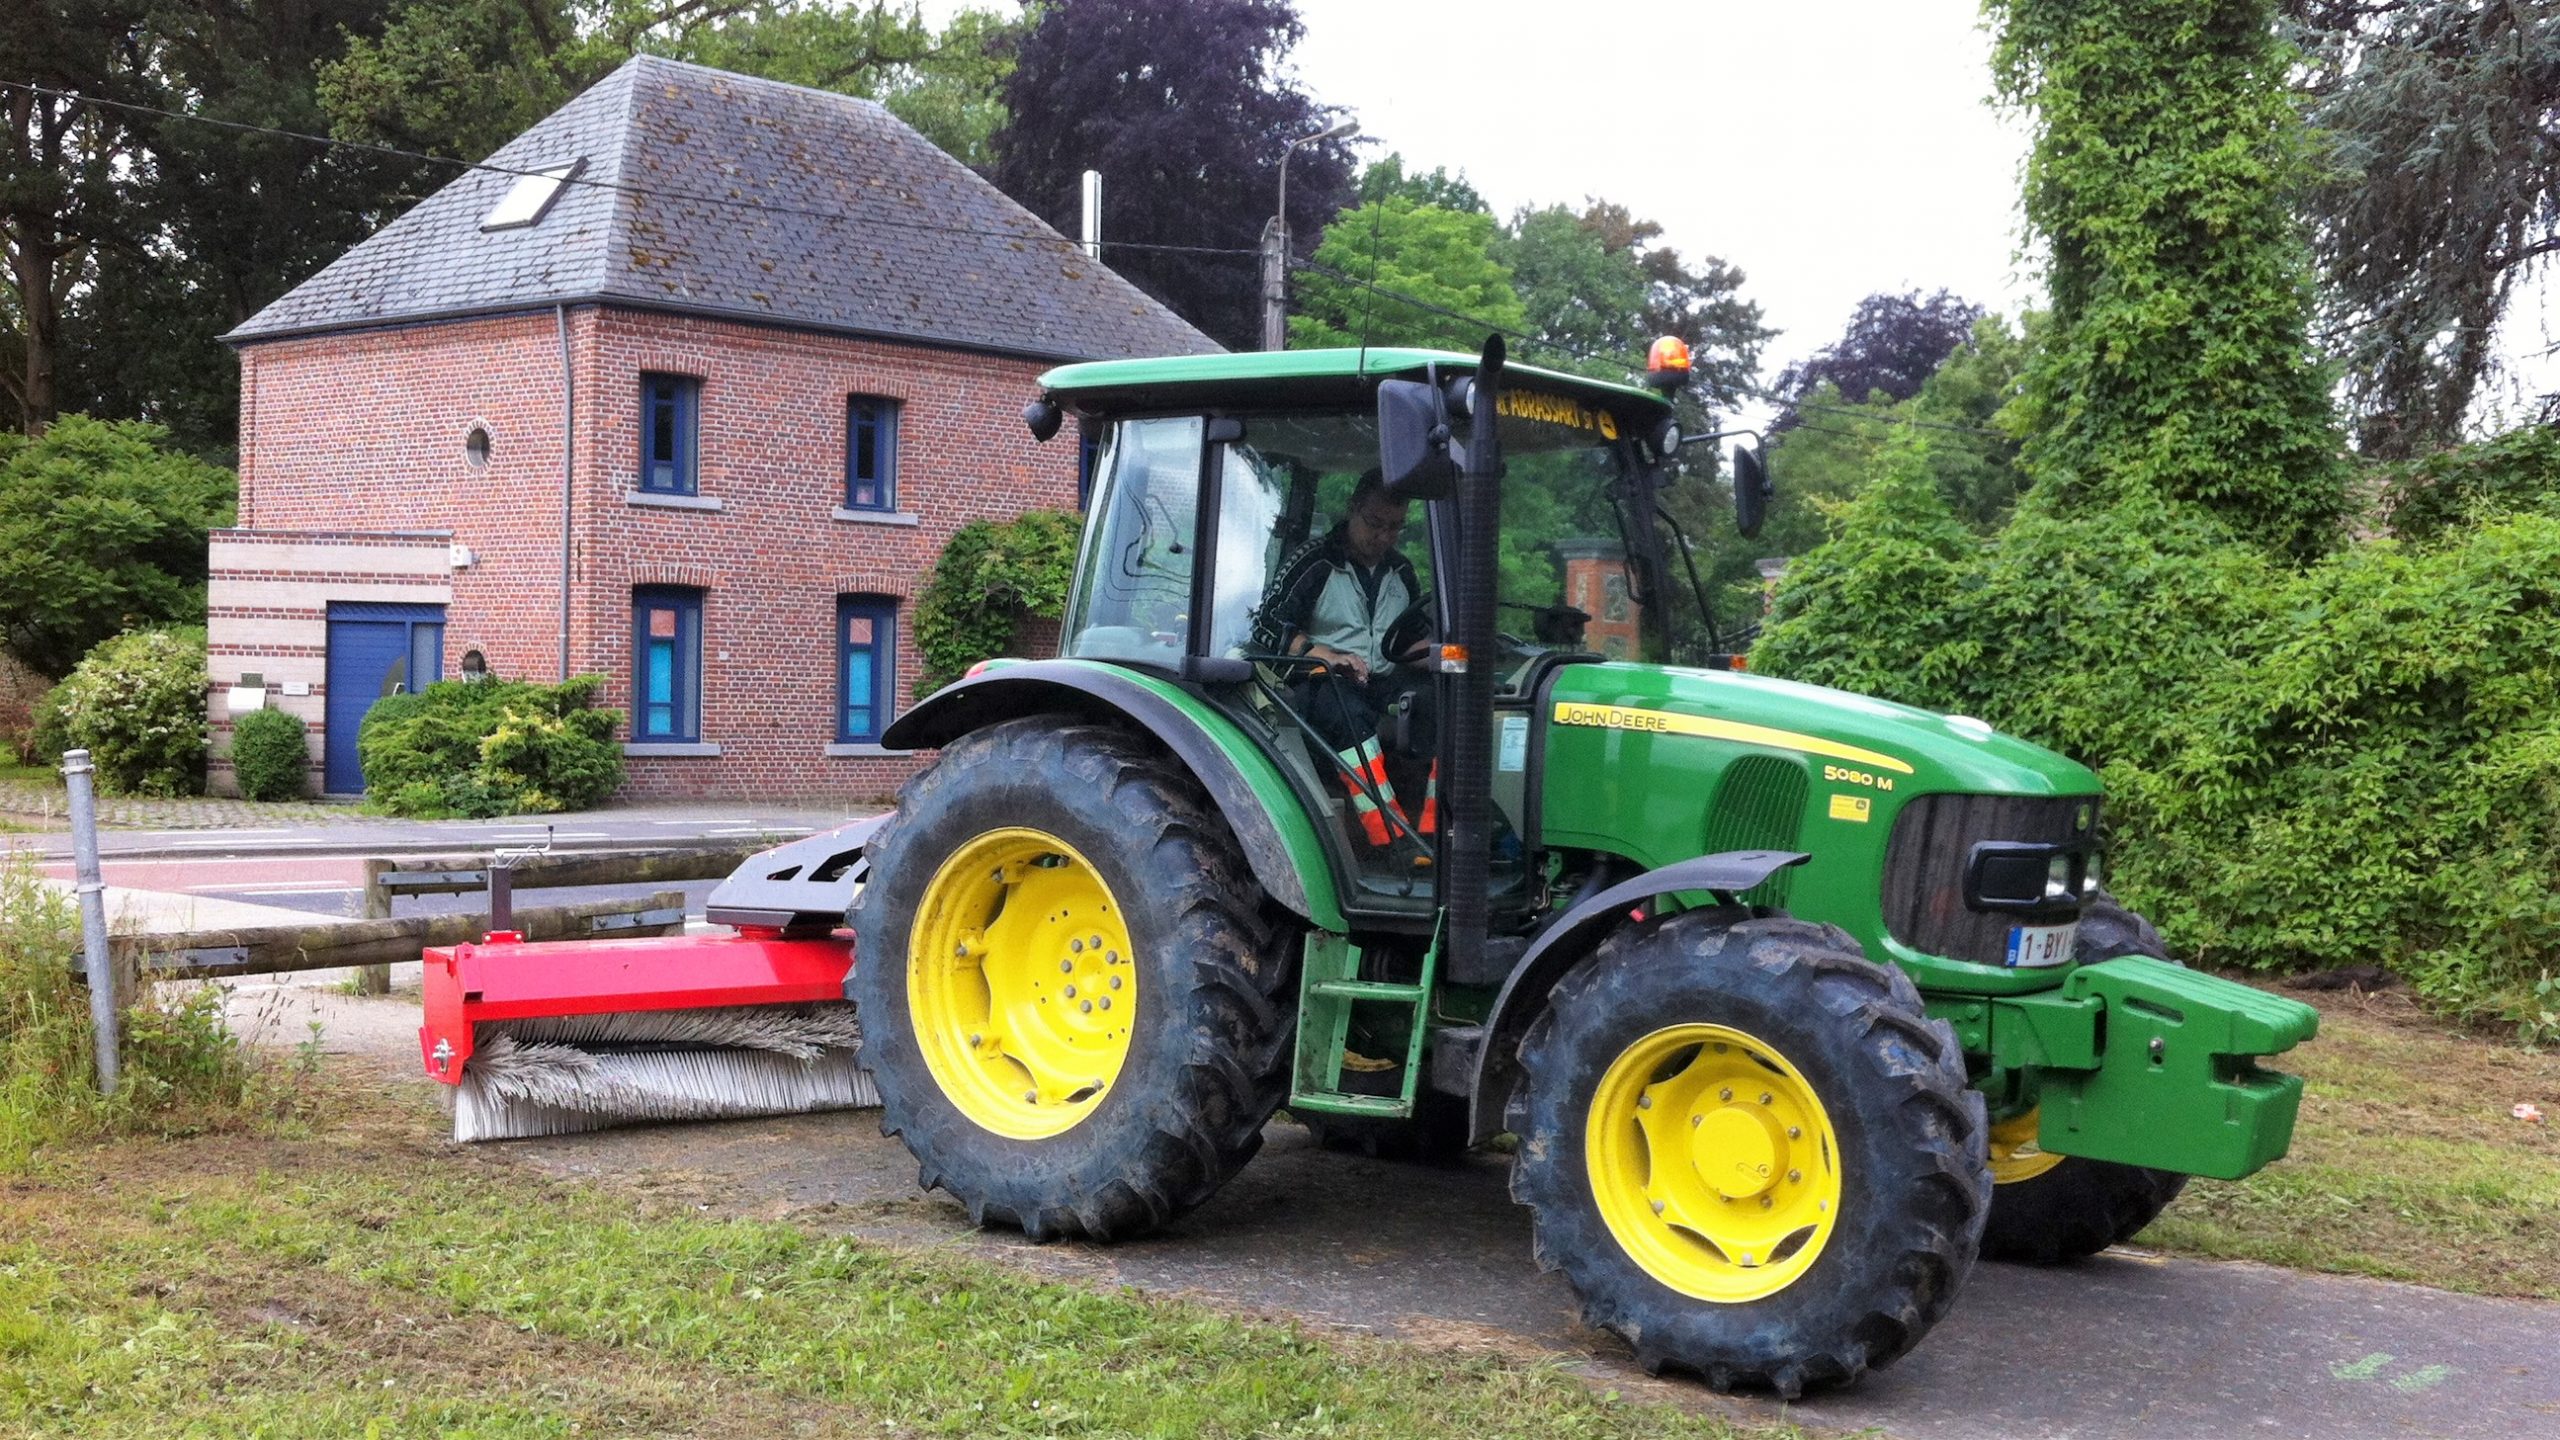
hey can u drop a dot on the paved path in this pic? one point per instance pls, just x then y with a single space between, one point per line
2128 1345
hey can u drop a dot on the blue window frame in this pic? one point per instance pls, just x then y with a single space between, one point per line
666 664
866 666
670 413
870 453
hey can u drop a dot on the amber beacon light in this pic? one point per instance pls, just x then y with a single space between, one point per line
1666 366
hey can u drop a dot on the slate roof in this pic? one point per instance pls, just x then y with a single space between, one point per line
712 193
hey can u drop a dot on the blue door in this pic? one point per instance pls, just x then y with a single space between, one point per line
374 650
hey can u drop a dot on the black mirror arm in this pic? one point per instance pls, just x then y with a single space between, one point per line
1689 562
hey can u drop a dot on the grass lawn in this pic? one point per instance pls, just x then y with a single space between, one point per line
370 1281
2406 1162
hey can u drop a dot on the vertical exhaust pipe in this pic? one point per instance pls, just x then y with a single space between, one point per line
1467 852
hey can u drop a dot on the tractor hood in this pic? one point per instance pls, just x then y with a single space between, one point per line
1908 749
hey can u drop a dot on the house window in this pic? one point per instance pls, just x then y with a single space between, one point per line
669 408
866 666
870 454
666 664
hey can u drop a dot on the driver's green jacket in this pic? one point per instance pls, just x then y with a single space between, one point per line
1323 595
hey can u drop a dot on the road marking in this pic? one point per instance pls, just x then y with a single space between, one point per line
302 887
550 834
224 844
199 831
762 830
2364 1369
2418 1380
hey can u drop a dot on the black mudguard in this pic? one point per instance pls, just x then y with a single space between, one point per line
1576 934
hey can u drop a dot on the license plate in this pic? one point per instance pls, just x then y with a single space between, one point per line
2033 946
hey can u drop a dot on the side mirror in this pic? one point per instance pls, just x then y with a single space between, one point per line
1413 440
1751 490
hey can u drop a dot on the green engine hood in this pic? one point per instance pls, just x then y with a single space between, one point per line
1917 750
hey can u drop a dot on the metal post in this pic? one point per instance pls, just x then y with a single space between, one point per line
375 979
1093 214
1275 284
101 973
502 895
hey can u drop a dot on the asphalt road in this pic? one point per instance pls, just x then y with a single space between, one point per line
2127 1345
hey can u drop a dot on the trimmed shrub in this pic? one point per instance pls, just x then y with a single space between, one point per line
270 755
136 703
491 747
990 576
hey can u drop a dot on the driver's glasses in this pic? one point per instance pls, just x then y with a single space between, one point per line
1376 528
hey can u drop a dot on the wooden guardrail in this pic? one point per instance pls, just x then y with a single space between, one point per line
329 945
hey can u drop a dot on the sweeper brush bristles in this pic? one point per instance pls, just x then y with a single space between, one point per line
587 1072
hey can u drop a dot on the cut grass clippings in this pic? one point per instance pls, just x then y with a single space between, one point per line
372 1280
2407 1163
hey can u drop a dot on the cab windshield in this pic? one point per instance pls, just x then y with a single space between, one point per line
1286 483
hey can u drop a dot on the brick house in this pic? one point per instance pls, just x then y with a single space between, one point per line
696 396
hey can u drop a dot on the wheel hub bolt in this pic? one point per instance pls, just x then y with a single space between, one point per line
961 950
1764 1202
1644 1102
1087 1007
1746 1258
1071 992
1097 942
1076 946
1657 1207
1764 1097
1106 1002
1066 967
976 1039
1794 1133
1112 958
1030 1097
1115 982
1725 1094
1795 1177
1697 1120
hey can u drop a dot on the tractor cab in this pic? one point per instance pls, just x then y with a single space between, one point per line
1242 541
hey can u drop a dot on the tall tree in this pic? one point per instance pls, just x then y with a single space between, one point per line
1442 258
1893 344
2177 364
1186 107
2441 121
1388 176
62 166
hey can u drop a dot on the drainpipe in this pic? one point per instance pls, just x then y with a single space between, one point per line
568 476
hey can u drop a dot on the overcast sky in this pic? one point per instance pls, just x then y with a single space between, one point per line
1830 150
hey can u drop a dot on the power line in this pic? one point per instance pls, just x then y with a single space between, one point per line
1904 420
619 186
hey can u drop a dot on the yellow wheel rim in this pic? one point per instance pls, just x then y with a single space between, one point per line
1713 1163
1022 987
2014 1153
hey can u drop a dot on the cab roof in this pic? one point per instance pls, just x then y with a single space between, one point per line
1273 379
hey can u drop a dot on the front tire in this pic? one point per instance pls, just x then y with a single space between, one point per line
1749 1150
1074 1004
2047 1209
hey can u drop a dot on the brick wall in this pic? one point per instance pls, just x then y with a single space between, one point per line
368 432
267 614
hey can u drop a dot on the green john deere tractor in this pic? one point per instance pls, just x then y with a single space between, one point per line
1795 1000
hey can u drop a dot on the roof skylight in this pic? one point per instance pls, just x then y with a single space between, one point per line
529 199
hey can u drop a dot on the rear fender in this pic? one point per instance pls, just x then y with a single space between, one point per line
1279 841
1576 934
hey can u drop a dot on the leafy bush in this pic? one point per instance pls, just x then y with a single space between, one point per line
2515 472
990 576
270 755
45 739
490 747
102 529
182 1067
136 704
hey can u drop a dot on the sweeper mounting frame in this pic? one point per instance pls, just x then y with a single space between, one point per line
787 904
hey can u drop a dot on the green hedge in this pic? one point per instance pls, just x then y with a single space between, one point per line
2353 762
137 705
270 755
491 747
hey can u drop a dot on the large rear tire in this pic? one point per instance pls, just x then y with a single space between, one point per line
1074 1002
1750 1151
2046 1209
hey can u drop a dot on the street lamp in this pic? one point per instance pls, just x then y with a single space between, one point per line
1275 242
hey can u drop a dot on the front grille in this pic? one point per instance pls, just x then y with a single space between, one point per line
1760 806
1924 865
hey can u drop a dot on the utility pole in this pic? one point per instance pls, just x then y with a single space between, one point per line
1275 242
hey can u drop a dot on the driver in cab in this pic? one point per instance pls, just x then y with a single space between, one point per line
1351 599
